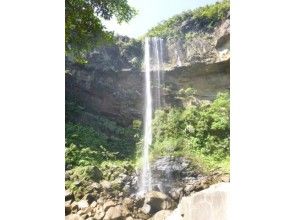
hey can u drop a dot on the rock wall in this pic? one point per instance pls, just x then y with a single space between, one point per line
199 46
112 82
117 95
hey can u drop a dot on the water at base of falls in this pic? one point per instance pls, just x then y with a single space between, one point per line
153 64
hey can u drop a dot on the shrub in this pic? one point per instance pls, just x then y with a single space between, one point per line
206 17
84 135
86 146
196 129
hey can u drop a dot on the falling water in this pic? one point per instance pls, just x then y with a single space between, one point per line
145 184
157 68
161 56
179 62
153 64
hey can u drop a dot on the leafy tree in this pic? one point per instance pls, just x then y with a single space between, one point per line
83 27
205 17
201 130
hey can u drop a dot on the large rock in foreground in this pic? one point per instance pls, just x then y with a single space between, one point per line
211 203
161 215
156 201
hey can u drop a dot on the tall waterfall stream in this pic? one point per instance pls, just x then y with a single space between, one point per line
153 59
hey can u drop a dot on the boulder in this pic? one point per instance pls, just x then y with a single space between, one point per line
118 212
68 195
93 204
90 198
67 207
126 188
105 184
83 204
101 200
211 203
128 202
142 215
99 214
87 211
161 215
146 209
94 187
84 216
158 201
176 194
108 204
73 217
74 206
206 181
139 202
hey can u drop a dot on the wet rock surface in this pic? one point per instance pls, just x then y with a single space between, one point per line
172 172
109 199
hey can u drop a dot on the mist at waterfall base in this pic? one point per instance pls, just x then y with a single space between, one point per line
154 77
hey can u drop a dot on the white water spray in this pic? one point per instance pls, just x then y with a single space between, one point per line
157 68
145 184
153 64
179 62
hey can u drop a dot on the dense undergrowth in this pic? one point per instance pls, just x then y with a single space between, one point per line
202 18
108 141
199 132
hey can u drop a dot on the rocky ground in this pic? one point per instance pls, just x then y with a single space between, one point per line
109 192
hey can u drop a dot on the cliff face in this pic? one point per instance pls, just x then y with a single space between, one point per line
112 82
200 60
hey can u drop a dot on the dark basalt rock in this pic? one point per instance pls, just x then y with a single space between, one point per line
171 172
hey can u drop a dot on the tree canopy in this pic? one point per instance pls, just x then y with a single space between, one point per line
83 23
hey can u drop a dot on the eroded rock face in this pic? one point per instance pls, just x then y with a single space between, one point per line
197 45
211 203
112 83
172 172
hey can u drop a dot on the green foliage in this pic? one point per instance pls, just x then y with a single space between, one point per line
205 17
85 156
72 109
130 51
80 179
87 173
187 95
87 146
84 146
200 130
83 27
83 135
112 169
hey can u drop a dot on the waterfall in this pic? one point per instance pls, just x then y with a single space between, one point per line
179 62
153 64
145 184
157 68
